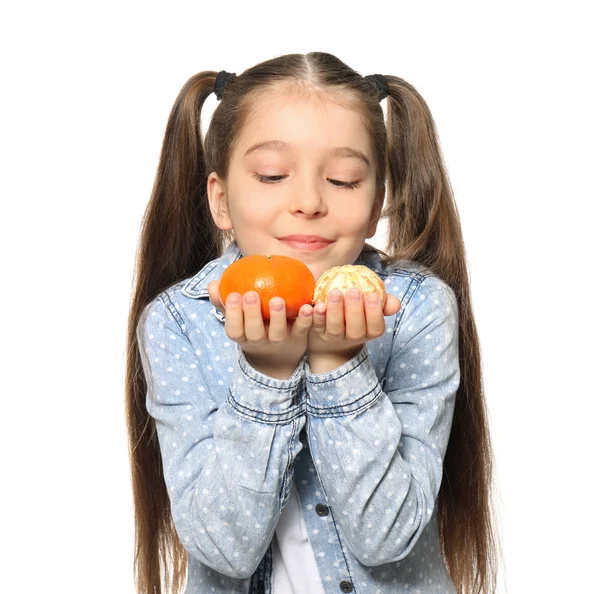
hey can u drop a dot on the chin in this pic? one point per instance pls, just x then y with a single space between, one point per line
317 270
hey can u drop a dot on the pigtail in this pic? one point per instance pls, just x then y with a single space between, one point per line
178 233
178 237
424 226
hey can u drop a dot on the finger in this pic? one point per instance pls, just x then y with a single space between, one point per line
303 322
374 315
320 317
234 318
213 293
334 322
254 325
392 305
278 327
356 327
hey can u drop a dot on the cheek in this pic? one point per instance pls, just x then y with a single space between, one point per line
353 217
253 206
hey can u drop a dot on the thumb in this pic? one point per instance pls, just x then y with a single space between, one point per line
213 293
392 305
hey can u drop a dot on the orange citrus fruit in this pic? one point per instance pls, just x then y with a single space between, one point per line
346 277
270 276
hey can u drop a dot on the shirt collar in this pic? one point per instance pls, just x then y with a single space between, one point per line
197 286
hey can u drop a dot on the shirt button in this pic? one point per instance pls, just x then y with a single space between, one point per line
346 586
322 509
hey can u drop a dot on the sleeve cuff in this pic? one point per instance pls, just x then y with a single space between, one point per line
345 390
260 396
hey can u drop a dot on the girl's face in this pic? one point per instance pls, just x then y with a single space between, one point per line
299 183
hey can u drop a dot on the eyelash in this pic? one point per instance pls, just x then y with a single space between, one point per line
347 186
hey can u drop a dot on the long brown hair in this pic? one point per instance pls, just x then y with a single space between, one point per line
178 237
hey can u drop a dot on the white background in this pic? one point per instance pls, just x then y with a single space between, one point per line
87 91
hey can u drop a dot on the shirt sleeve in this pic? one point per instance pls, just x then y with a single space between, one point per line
379 449
228 467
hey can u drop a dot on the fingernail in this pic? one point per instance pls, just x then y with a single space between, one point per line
335 297
277 305
354 294
373 299
250 298
233 300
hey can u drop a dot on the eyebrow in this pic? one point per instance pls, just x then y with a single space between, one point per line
280 146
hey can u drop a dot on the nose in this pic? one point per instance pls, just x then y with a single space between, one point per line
307 200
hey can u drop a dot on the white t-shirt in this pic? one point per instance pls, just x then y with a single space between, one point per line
294 567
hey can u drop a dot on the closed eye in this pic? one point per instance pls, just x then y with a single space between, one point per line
274 179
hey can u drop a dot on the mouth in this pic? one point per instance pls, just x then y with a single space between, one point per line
306 245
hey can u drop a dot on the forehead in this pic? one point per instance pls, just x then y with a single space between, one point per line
302 123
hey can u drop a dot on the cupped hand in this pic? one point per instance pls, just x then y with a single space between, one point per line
276 343
342 327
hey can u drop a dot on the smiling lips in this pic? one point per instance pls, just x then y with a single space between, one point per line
306 238
306 243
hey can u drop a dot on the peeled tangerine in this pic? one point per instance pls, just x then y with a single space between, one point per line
344 278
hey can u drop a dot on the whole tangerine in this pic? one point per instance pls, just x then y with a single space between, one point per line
270 276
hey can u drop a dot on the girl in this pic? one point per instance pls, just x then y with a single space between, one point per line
344 450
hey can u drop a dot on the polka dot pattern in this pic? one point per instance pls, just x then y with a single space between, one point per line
363 444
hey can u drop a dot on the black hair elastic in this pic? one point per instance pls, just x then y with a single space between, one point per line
379 82
221 82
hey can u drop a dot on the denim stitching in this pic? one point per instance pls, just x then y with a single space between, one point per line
192 287
249 408
308 437
359 360
358 399
263 416
262 383
164 297
332 412
403 273
402 311
449 292
287 466
259 418
343 551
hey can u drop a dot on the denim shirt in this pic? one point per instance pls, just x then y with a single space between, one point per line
363 443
